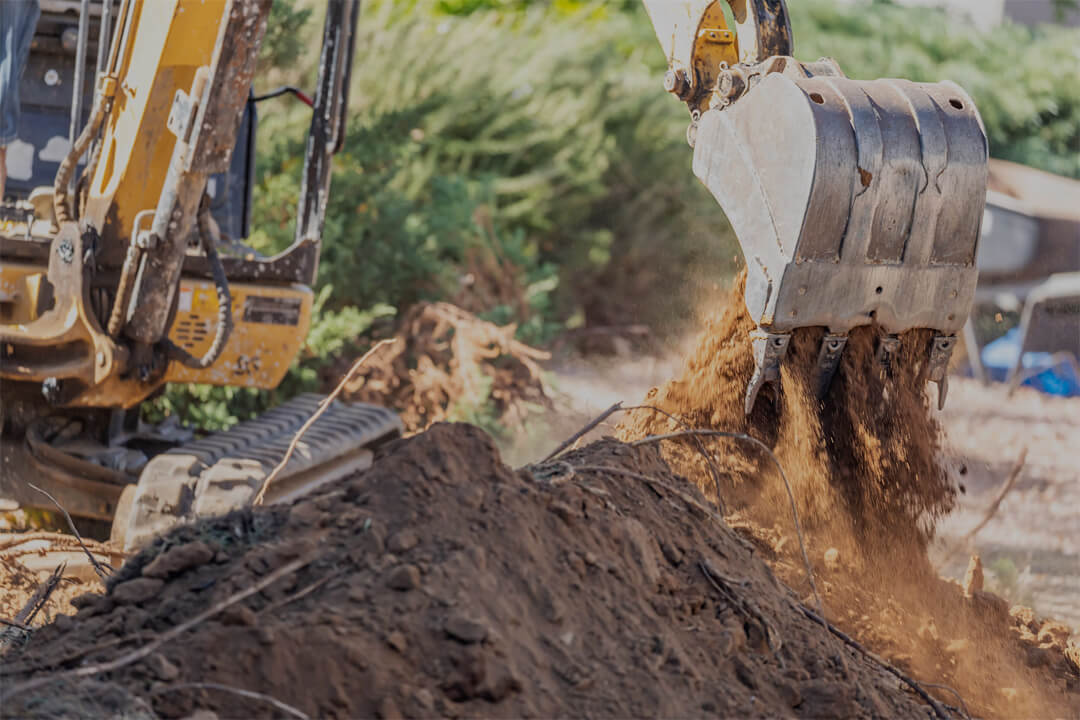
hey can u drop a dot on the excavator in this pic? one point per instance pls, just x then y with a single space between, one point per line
123 268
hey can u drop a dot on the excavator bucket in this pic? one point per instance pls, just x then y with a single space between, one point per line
855 202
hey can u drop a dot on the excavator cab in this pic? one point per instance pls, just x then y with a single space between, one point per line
855 202
123 268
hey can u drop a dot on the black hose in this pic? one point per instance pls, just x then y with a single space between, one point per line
224 299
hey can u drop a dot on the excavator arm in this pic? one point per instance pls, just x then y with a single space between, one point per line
855 202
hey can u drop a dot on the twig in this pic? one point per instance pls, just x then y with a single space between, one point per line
963 705
141 652
751 613
580 433
323 406
938 710
697 442
969 537
649 481
300 593
783 476
40 596
283 707
17 625
71 524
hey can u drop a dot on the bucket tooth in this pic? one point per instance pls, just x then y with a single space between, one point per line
940 353
832 347
888 347
769 351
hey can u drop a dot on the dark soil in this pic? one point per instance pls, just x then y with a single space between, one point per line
449 584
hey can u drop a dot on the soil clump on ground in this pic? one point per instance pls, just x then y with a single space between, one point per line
448 364
442 582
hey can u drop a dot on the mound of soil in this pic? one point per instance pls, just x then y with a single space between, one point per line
443 582
865 471
447 363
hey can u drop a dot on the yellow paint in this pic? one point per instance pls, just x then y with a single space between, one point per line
20 286
258 354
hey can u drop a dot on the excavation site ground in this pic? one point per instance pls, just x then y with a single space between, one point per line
628 574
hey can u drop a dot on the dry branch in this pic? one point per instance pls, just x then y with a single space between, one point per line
326 402
71 524
939 711
783 476
150 647
250 694
583 431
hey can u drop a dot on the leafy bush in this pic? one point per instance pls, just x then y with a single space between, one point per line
520 158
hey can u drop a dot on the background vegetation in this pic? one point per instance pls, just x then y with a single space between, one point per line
520 158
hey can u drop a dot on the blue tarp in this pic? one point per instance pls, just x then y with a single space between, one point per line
999 357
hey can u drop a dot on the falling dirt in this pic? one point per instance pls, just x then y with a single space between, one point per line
865 472
449 364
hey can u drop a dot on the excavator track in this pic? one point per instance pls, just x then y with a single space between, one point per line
223 471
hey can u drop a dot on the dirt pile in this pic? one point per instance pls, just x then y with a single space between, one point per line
442 582
869 484
449 364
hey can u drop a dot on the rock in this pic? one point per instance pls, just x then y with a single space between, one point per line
563 510
403 578
671 553
1010 694
161 667
397 641
177 559
465 630
643 549
402 541
136 591
85 600
745 673
789 694
424 698
567 638
202 714
63 623
239 615
388 709
265 635
832 559
973 578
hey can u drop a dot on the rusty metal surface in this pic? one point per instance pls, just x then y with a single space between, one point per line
231 75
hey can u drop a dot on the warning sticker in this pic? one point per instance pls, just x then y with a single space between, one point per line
272 310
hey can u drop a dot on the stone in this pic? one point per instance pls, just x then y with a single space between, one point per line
177 559
403 578
424 698
388 709
671 553
202 714
973 578
136 591
397 641
239 615
832 559
465 630
402 541
162 668
1038 657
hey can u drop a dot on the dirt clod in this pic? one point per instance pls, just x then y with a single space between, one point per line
136 591
404 577
178 559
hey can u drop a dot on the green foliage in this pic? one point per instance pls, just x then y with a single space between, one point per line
520 158
284 41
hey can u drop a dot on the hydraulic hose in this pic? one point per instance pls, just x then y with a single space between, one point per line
67 167
224 299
